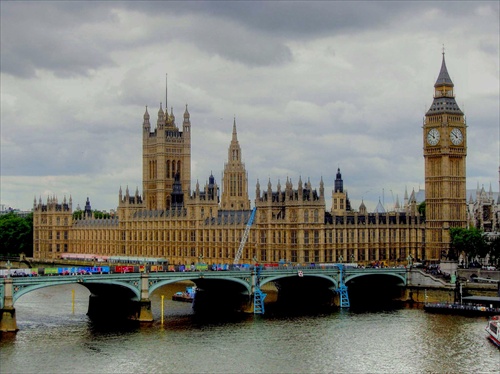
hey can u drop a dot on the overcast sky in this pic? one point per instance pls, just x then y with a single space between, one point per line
313 86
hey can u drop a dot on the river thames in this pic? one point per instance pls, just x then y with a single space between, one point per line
56 336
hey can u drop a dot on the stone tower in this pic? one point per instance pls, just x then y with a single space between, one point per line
445 150
52 226
235 180
340 201
166 151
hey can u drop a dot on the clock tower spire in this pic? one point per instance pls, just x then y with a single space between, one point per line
445 151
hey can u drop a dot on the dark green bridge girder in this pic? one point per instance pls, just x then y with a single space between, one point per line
130 283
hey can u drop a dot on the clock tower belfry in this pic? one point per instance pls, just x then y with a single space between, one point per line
445 151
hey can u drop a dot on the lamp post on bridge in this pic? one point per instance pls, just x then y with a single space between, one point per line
8 265
410 260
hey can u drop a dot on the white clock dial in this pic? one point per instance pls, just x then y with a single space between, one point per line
456 136
433 137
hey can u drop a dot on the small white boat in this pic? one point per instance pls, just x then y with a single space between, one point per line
187 296
493 330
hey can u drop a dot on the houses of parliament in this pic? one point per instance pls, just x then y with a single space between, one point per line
291 223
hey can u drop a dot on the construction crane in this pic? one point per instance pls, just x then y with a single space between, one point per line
245 237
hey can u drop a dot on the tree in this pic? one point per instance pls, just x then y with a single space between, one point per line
421 208
77 214
469 241
16 234
99 214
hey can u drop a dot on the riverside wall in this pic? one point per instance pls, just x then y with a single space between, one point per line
423 287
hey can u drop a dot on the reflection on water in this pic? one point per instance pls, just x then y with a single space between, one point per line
389 340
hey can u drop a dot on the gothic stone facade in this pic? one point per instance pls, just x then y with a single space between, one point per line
291 223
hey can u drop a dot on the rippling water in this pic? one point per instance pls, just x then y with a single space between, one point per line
53 339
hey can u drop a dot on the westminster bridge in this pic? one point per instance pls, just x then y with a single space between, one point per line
128 294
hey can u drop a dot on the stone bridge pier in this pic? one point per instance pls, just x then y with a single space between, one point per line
8 318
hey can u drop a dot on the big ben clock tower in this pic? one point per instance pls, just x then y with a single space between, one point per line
445 151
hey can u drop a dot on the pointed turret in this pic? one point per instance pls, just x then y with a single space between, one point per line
161 118
145 124
288 189
339 183
172 117
380 208
362 207
396 206
444 98
235 178
443 78
186 116
235 134
87 213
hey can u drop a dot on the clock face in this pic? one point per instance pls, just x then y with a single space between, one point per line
456 136
433 137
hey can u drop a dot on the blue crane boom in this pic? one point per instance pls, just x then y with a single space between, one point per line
245 237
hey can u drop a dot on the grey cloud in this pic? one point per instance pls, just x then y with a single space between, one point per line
304 19
49 36
237 44
53 35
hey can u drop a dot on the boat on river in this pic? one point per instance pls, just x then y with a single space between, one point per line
470 306
462 309
493 330
186 296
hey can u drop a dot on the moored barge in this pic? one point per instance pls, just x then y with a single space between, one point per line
470 306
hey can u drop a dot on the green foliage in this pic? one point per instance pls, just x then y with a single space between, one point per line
421 208
77 214
16 234
469 241
99 214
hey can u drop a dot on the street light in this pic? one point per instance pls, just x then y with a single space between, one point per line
8 265
409 258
